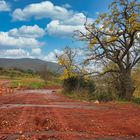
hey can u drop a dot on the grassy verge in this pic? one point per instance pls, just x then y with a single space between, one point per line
54 82
27 79
87 97
136 100
28 83
77 96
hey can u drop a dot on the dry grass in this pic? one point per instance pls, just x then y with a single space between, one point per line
136 78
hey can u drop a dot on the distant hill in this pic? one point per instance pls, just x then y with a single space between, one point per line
29 64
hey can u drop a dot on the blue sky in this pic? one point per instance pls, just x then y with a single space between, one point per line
38 28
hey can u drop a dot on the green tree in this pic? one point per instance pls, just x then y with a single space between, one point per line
115 37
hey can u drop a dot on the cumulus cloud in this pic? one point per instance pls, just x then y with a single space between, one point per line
64 20
57 29
52 55
14 53
4 6
17 42
75 19
33 53
36 52
22 42
24 37
27 31
21 53
66 28
45 9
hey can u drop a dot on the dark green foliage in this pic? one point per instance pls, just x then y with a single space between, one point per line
89 86
104 96
136 100
70 84
78 84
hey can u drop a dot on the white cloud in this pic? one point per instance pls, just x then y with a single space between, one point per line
36 52
57 29
14 53
66 28
7 41
21 53
64 21
4 6
45 9
24 37
52 55
75 19
25 53
66 5
27 31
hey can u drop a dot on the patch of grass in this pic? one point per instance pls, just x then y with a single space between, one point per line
77 95
29 83
27 79
54 82
3 77
121 101
136 100
85 97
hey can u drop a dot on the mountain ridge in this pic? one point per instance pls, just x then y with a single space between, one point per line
29 64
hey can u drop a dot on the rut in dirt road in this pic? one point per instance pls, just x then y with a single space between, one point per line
43 114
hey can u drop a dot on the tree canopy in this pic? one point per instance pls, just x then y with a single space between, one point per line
115 37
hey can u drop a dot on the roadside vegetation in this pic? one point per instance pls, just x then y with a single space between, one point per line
111 58
28 83
103 88
27 79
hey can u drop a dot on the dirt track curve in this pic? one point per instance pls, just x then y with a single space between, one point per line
46 115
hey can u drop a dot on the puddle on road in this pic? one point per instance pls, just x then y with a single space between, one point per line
39 91
67 106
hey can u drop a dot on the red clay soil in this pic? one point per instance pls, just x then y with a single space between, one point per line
42 115
53 87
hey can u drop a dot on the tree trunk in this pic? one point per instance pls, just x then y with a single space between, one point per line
126 85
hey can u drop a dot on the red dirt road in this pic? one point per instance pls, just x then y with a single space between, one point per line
43 115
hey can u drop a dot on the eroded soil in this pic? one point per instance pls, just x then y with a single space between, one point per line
45 114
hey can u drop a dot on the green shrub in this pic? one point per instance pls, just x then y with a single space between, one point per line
136 100
78 84
104 96
90 86
70 84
